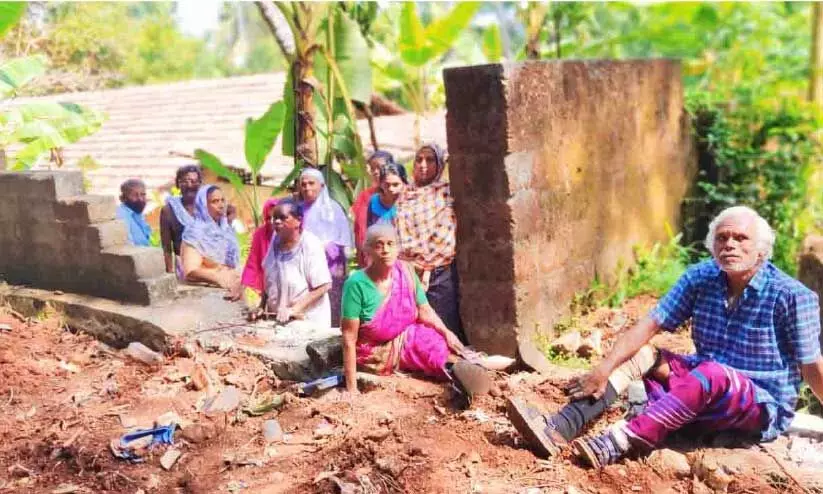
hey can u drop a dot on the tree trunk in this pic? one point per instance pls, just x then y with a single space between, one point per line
279 27
306 137
816 59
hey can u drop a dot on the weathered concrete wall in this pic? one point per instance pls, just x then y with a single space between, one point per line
810 268
54 236
558 169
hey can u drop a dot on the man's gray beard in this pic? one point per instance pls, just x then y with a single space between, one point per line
739 267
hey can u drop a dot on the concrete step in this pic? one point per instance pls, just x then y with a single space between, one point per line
133 262
86 209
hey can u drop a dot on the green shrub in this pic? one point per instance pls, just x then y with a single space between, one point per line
760 155
655 271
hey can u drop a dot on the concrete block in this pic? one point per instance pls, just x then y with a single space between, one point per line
146 291
8 210
131 262
35 211
48 184
86 209
557 164
11 184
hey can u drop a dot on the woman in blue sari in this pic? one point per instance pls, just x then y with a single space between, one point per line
210 252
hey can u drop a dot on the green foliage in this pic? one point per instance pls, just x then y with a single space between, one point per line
807 402
260 136
40 127
762 156
655 271
10 13
492 45
544 344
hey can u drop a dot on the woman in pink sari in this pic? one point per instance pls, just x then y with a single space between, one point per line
388 324
253 272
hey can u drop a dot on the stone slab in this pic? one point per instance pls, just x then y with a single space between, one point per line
283 348
191 309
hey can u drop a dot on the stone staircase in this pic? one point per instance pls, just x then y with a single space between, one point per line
56 237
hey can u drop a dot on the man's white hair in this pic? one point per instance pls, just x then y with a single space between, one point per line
380 230
764 235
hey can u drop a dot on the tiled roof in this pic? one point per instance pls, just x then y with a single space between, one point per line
146 124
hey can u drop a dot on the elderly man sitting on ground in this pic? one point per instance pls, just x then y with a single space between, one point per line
755 331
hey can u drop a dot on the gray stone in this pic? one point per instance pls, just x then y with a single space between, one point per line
667 462
272 432
326 354
86 209
169 458
130 262
226 401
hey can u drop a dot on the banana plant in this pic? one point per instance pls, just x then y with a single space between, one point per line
419 48
260 136
42 127
328 57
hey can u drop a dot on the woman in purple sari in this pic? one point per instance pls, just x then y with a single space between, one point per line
327 220
389 325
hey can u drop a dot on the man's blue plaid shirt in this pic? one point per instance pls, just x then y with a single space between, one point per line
772 330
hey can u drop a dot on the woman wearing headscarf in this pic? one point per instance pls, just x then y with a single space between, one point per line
253 271
210 252
360 207
177 214
426 226
327 220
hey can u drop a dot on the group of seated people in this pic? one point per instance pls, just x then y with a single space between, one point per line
756 330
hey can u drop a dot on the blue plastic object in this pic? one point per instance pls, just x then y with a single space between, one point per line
327 382
160 435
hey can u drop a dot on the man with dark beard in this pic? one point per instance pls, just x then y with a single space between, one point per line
133 202
178 213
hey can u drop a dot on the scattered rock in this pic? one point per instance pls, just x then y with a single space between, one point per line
668 462
67 489
413 450
378 435
200 378
226 401
272 432
712 473
323 429
197 433
187 349
223 368
389 465
69 367
169 418
142 353
5 327
591 346
386 419
169 458
325 354
474 457
127 422
568 343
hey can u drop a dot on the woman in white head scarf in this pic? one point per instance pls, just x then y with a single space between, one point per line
326 219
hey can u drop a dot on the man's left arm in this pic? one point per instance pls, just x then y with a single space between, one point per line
813 375
803 311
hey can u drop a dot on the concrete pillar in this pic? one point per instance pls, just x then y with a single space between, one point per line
557 170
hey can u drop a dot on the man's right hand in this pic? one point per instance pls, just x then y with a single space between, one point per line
592 384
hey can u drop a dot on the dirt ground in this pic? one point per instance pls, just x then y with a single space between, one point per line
64 397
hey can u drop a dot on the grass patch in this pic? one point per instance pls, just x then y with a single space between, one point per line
655 271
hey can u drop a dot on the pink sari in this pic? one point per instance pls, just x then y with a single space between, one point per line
394 339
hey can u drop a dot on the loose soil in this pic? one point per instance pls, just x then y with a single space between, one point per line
64 396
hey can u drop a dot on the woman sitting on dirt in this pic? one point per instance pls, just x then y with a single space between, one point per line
296 276
210 252
389 325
